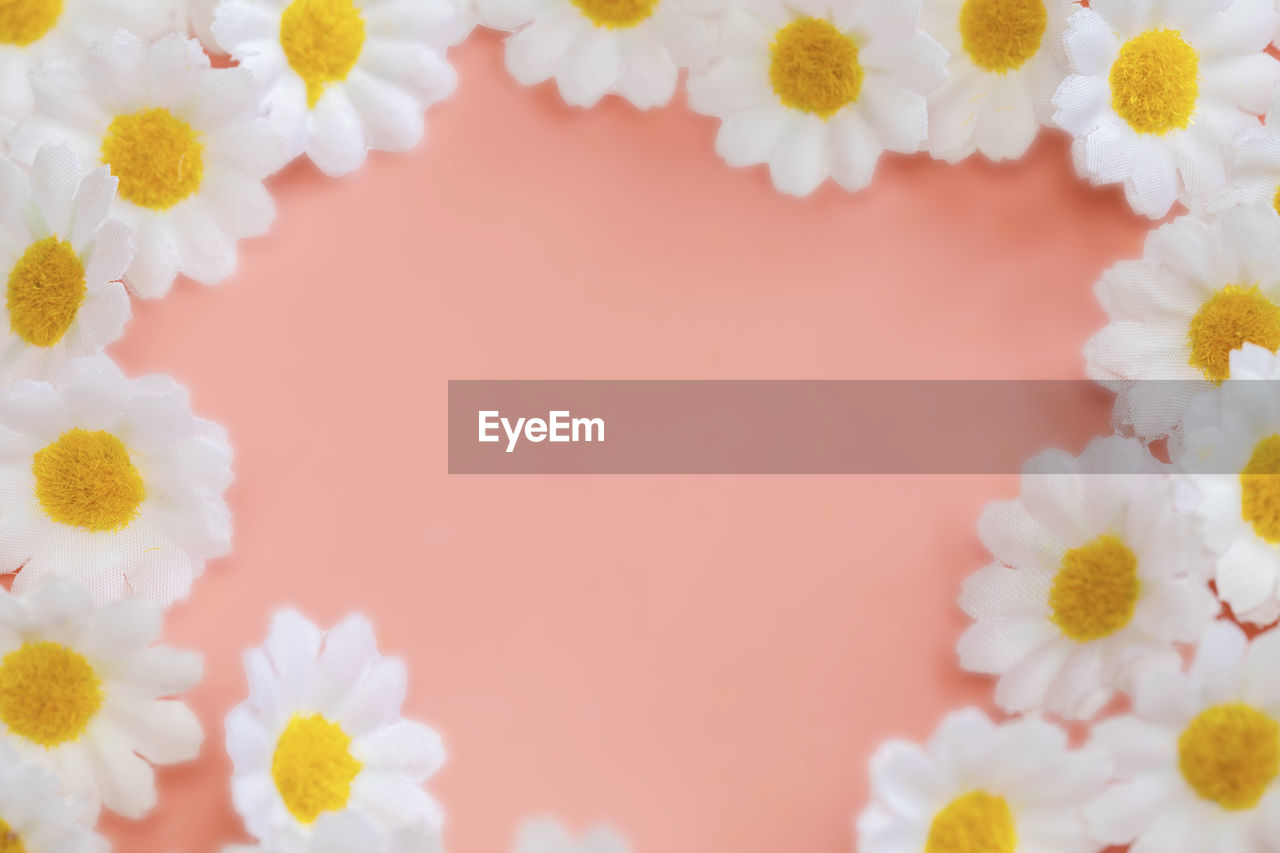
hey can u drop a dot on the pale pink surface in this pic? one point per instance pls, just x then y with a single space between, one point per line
707 662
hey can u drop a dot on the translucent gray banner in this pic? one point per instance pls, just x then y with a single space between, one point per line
767 427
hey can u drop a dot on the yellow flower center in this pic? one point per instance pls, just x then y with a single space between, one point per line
10 841
1235 315
48 693
977 822
1002 35
1095 590
616 14
1260 489
46 288
1230 754
814 67
1275 200
86 479
322 39
313 767
157 156
25 21
1155 82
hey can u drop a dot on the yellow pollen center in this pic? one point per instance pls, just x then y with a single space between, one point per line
1235 315
1155 82
1275 200
322 39
313 767
1260 489
616 14
25 21
48 693
814 67
1095 590
977 822
46 288
157 156
86 479
10 841
1002 35
1230 754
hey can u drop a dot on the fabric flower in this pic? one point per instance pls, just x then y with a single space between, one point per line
61 259
1196 762
33 31
97 667
184 139
547 835
1253 167
344 832
35 817
111 481
818 89
321 734
1201 290
343 76
1010 788
1229 447
1006 62
1097 575
1158 90
632 48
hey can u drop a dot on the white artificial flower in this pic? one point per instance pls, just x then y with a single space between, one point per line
631 48
111 481
1229 448
819 89
343 76
61 258
1196 762
321 733
548 835
33 31
978 786
1202 290
83 694
1006 62
185 140
347 832
35 817
1097 576
1253 167
1159 90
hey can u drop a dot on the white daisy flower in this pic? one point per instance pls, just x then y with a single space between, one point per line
632 48
1158 90
343 76
344 832
82 694
819 89
32 31
35 817
321 733
1229 445
61 258
978 786
1096 577
1006 62
185 140
1201 290
548 835
1253 167
1196 762
111 481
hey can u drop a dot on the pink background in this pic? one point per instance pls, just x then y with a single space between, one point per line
706 662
